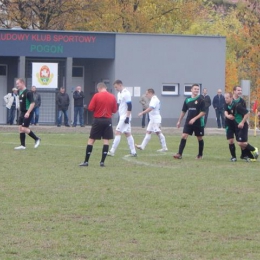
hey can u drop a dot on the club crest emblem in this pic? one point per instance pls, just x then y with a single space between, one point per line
44 76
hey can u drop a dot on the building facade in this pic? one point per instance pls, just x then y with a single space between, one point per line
169 64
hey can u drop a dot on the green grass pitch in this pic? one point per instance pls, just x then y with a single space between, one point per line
149 207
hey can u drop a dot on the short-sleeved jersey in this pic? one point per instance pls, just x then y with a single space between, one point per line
154 114
25 99
194 106
103 104
239 111
123 98
240 101
229 109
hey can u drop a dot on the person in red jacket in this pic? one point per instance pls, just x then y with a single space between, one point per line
103 104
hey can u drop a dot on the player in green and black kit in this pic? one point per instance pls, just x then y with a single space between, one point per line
195 106
241 127
239 115
230 125
237 99
245 153
26 107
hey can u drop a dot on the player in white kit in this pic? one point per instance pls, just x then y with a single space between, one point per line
124 123
154 123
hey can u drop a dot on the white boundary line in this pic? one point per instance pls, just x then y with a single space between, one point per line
47 144
136 160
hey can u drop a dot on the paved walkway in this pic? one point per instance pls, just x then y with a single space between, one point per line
137 130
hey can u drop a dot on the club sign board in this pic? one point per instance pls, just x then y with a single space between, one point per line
57 44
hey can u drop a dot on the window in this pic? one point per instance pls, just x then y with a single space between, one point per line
187 89
77 72
170 89
3 70
106 81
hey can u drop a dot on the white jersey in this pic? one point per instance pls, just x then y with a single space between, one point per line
155 115
123 98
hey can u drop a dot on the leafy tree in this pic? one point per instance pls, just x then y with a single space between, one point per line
238 20
240 23
248 58
36 14
141 16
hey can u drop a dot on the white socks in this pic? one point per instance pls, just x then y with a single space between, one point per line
130 141
162 140
146 140
131 144
115 143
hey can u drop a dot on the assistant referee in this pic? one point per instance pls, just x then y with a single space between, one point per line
103 104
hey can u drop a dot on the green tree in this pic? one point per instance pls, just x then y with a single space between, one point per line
238 20
146 16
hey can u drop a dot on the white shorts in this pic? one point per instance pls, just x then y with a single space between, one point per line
123 127
153 127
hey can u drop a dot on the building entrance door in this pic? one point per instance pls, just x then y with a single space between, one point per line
3 92
77 80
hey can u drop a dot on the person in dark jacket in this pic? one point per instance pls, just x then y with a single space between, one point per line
78 96
63 102
36 109
207 101
144 101
218 104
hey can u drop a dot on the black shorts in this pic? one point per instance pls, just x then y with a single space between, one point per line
242 133
189 129
24 121
101 128
230 131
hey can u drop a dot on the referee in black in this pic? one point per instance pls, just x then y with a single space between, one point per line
103 104
26 106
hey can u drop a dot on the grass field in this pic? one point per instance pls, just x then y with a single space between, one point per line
149 207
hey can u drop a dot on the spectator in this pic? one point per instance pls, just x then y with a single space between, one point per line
144 101
36 109
218 104
63 102
258 115
207 102
78 96
12 105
